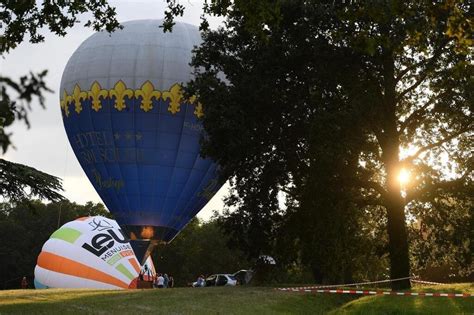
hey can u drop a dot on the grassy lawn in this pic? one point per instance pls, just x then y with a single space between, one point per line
240 300
414 305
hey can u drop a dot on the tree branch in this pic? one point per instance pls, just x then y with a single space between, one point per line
417 114
417 83
447 185
437 52
368 201
430 63
374 186
411 158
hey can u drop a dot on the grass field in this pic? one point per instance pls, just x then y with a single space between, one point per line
227 300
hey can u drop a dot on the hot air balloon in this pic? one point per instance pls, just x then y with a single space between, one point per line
133 132
89 252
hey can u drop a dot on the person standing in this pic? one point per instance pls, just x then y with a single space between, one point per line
24 283
167 279
160 281
170 282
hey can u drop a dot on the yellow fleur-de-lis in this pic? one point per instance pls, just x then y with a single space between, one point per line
95 93
120 91
192 99
64 103
77 96
175 95
198 110
147 91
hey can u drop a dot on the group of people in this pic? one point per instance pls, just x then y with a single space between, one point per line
163 281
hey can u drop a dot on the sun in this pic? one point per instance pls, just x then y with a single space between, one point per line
404 176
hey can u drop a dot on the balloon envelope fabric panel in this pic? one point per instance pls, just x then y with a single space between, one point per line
90 252
132 130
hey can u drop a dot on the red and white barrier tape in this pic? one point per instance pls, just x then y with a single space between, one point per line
349 284
366 292
325 289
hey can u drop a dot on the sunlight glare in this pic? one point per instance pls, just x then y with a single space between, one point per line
403 176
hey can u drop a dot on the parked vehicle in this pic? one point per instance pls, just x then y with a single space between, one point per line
221 280
243 276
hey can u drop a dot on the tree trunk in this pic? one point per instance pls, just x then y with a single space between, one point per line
397 232
396 220
317 274
394 203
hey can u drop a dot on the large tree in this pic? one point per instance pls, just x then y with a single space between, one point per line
403 69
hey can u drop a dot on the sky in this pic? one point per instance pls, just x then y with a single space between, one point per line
45 145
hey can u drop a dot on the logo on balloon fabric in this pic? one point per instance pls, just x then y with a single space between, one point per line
110 244
100 225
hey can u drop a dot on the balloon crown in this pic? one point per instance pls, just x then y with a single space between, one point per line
120 97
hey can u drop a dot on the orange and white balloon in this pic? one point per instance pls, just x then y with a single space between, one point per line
90 252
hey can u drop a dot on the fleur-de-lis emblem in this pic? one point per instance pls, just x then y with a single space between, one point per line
66 99
192 99
198 110
147 91
95 93
175 95
120 91
77 96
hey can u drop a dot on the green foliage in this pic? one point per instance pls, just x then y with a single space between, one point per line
26 226
258 13
27 18
16 108
174 9
19 182
443 234
201 248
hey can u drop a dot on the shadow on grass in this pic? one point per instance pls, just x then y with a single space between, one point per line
413 304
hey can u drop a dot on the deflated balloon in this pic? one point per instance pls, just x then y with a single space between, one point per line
90 252
134 133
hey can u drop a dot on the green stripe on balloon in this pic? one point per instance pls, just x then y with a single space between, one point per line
114 259
125 271
67 234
